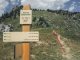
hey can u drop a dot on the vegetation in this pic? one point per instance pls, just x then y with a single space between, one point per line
66 23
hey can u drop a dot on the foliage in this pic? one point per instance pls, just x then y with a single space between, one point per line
65 23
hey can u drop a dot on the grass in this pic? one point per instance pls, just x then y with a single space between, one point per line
47 48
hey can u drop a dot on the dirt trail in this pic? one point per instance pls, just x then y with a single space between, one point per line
67 52
65 49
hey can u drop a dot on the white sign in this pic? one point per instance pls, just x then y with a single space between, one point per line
20 36
26 17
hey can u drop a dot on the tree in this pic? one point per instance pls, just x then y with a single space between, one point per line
34 19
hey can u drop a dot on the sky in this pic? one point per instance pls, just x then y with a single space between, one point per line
70 5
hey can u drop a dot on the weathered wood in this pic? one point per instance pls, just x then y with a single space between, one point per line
23 49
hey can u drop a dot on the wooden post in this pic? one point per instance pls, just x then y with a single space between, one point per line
18 51
23 49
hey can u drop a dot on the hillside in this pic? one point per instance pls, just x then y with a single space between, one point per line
65 24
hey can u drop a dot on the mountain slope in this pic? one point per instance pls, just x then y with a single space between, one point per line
65 24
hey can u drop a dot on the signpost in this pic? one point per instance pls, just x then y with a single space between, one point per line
23 49
26 46
26 17
21 36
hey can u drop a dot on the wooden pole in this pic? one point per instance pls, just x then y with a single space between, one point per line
18 51
23 49
26 46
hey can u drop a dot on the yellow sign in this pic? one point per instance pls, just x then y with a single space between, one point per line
20 36
26 17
